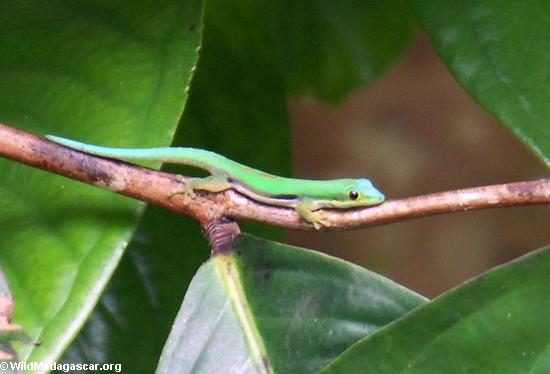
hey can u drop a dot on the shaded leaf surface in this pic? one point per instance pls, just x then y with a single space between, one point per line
496 323
328 48
272 306
137 310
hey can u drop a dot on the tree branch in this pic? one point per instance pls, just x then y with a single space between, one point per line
155 187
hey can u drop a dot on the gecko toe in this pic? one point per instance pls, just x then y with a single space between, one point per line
319 220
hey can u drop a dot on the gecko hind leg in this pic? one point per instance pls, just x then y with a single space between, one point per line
212 183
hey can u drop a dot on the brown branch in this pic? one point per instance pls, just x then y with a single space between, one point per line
141 183
155 187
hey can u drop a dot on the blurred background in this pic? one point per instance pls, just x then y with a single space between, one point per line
415 131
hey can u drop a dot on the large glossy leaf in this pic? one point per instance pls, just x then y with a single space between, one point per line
269 306
104 72
328 48
137 310
499 51
497 323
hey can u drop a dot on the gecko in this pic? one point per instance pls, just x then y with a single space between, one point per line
307 197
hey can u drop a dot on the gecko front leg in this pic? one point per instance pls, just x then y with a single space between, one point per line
212 183
308 210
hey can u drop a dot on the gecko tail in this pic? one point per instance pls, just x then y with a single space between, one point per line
68 142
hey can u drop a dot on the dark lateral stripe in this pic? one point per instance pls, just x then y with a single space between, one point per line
285 197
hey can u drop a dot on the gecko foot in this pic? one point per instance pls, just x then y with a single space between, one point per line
212 183
308 210
186 188
318 219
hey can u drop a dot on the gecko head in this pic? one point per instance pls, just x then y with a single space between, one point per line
361 192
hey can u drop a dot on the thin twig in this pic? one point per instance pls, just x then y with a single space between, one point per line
157 188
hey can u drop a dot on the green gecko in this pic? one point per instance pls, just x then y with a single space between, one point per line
305 196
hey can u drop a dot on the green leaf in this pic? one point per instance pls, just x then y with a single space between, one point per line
103 72
269 306
328 48
497 323
137 310
500 52
237 95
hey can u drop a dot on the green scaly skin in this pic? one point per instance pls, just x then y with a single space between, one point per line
304 195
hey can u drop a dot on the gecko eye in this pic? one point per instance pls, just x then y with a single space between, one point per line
353 195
